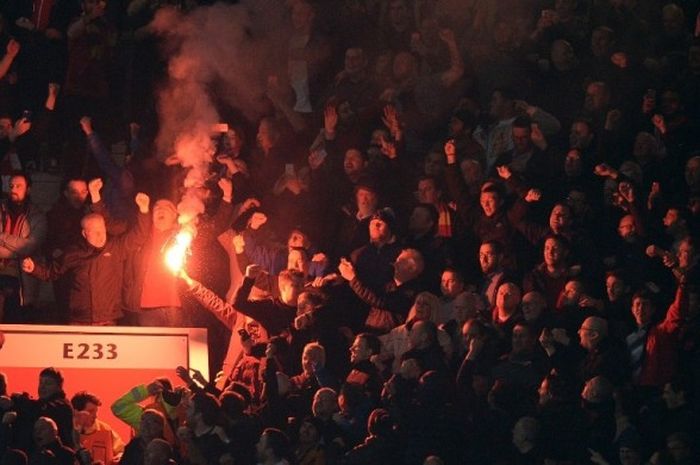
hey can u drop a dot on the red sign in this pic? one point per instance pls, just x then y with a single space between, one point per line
105 360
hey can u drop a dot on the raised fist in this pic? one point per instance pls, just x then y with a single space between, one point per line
86 125
258 219
226 187
13 48
28 265
253 271
95 186
238 243
346 269
142 201
451 152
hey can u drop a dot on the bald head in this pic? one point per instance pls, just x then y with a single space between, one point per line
158 452
593 330
533 305
45 431
597 390
94 230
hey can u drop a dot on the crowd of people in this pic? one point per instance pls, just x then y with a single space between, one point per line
456 232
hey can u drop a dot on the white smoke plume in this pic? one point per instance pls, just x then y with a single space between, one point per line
219 53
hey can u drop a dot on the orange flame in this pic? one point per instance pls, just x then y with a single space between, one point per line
176 254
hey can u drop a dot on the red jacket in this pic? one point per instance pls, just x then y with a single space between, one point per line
661 349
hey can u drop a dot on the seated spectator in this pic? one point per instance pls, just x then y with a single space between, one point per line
151 426
310 450
48 443
380 446
506 313
273 448
364 373
203 437
424 347
396 342
525 365
597 354
526 440
550 276
158 452
95 435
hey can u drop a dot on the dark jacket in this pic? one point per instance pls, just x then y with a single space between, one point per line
273 314
374 450
95 293
29 410
389 308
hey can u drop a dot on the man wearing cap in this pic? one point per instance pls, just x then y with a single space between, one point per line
373 262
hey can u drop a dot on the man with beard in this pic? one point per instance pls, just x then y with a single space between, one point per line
23 231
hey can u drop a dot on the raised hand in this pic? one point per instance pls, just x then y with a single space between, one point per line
538 137
86 125
391 121
330 120
504 171
620 59
238 244
626 190
143 201
253 271
21 126
154 388
199 377
184 374
605 171
258 219
451 152
28 265
612 119
13 48
533 195
659 123
447 36
547 340
248 204
346 269
226 186
316 159
388 148
95 189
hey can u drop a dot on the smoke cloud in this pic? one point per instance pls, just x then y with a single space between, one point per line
218 55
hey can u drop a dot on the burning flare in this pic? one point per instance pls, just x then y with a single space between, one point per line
178 249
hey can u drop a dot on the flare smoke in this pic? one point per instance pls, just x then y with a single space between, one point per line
221 54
